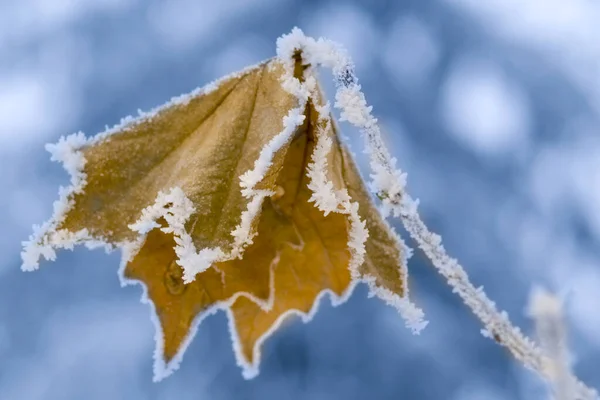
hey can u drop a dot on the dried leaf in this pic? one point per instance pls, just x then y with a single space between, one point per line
307 222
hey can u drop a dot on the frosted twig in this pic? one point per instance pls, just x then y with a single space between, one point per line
389 184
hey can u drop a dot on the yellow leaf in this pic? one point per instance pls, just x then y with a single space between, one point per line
307 223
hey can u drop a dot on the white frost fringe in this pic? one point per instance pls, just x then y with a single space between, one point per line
389 183
547 312
176 209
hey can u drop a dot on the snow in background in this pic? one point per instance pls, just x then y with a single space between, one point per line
492 107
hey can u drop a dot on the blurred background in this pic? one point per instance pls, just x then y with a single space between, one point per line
492 107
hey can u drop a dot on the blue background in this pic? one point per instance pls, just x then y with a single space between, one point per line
491 107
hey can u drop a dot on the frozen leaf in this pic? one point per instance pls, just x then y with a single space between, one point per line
239 197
